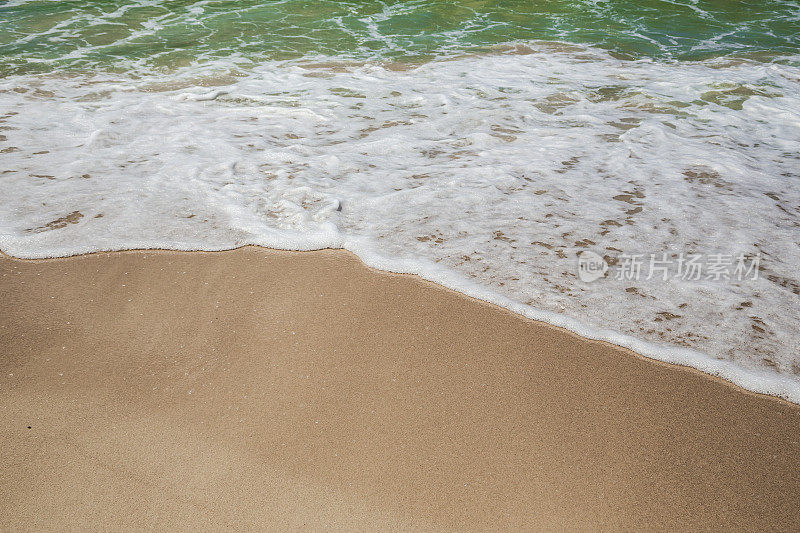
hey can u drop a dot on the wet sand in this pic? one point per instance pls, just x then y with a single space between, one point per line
265 390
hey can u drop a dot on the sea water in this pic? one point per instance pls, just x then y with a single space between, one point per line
484 145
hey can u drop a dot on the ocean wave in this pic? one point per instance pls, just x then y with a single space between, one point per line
488 173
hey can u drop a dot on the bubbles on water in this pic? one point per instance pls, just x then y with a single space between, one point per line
495 168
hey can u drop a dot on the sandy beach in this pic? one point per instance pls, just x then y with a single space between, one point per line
263 390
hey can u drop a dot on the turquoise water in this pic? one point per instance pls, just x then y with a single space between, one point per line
483 145
39 36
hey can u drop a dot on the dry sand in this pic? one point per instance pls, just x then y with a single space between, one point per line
268 390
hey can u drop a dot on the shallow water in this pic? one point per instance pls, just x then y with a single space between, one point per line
446 139
45 35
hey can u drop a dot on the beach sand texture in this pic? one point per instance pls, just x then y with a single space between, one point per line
265 390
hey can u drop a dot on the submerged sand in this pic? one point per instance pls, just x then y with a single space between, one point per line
268 390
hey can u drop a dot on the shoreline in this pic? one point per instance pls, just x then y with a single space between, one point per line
775 385
263 388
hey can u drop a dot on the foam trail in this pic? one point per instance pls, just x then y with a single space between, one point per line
487 174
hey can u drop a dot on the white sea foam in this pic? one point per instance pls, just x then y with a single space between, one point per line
487 174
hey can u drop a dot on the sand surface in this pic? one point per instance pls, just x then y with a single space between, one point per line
268 390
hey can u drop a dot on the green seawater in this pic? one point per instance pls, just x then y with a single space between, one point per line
47 35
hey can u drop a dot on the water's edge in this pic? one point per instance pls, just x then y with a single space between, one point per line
756 382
